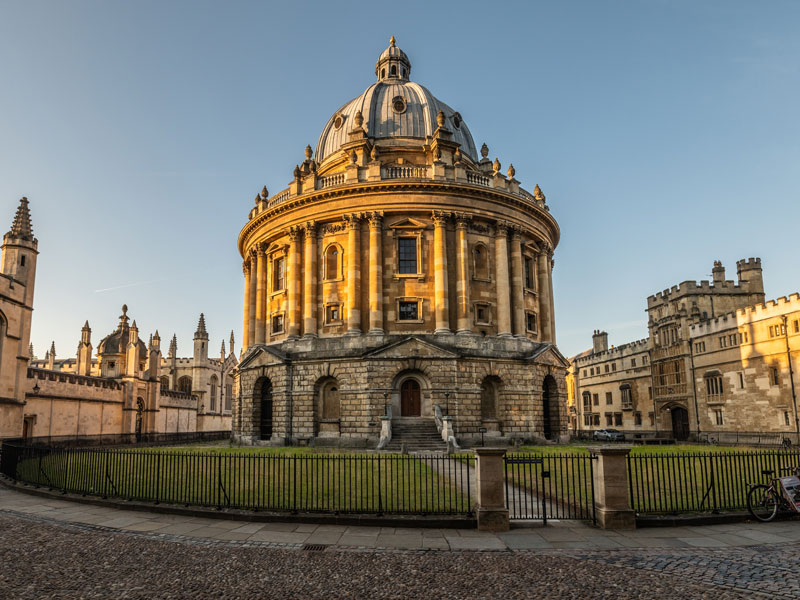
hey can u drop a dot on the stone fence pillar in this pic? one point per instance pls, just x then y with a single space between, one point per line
490 483
611 488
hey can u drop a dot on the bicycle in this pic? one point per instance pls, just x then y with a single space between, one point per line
764 501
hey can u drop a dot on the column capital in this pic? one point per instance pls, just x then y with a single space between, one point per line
310 228
545 248
516 234
294 232
503 228
375 219
261 248
246 266
462 220
440 218
353 220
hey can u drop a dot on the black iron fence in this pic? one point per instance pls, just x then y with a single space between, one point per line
700 482
555 486
358 483
767 439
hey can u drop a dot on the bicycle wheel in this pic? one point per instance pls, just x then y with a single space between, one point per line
762 502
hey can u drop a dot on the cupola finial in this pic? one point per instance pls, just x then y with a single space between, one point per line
392 41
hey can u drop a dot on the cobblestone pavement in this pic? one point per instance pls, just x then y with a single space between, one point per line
43 559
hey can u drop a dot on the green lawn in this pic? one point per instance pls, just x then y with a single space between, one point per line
281 479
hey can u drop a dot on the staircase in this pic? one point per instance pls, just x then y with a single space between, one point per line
418 434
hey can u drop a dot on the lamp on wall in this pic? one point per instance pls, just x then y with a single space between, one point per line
36 388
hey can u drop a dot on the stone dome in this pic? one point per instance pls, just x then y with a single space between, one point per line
394 110
117 342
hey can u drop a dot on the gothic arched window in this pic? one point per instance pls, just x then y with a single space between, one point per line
213 398
185 385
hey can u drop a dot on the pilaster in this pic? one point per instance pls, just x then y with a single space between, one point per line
462 274
261 295
310 281
375 273
441 301
503 290
353 273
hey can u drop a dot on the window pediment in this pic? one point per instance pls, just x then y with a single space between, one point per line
408 224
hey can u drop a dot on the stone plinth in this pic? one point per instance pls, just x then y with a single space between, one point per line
611 499
490 479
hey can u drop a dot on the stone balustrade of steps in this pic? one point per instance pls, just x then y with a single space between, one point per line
418 434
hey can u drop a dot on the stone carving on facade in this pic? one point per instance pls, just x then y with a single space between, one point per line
375 219
331 228
440 218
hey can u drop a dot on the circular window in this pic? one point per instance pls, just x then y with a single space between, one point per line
398 104
457 120
338 121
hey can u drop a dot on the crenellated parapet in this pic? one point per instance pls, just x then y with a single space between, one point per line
744 316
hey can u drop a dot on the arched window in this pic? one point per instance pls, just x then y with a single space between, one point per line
185 385
333 258
394 71
480 262
330 400
383 73
164 383
212 401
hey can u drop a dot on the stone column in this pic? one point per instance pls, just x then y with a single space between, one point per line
251 327
490 482
441 292
462 270
261 295
293 283
517 298
246 313
552 264
611 488
375 273
353 274
503 289
543 284
310 281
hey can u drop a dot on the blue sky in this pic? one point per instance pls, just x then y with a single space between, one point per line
665 135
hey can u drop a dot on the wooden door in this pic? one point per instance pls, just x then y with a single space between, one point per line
410 399
680 423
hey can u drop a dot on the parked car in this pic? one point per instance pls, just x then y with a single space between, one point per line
608 435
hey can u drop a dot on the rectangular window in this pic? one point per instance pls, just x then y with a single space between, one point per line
651 419
741 381
609 419
722 342
595 399
408 311
637 418
644 360
333 314
606 366
614 367
618 419
796 326
587 402
530 321
633 362
596 419
482 314
745 337
627 398
277 324
407 255
786 415
584 372
279 274
776 378
609 398
718 419
587 419
714 386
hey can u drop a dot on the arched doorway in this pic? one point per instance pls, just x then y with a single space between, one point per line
265 430
680 423
410 405
549 402
139 419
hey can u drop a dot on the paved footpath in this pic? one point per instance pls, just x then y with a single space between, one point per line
59 549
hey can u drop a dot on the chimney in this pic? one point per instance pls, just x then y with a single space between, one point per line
718 273
599 341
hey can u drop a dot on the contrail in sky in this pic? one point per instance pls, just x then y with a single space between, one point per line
128 285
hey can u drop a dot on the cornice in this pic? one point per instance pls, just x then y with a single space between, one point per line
379 188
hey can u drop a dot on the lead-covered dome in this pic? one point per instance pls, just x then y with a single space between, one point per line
394 109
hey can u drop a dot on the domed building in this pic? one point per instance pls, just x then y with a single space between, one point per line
402 280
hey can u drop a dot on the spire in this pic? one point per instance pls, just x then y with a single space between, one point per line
86 333
201 332
21 227
173 346
53 349
232 346
222 350
31 355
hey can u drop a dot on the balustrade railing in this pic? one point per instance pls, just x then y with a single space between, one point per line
330 180
278 198
477 178
410 172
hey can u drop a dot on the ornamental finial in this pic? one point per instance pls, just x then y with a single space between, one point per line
484 151
392 41
511 171
496 165
359 119
264 192
309 152
440 119
537 193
